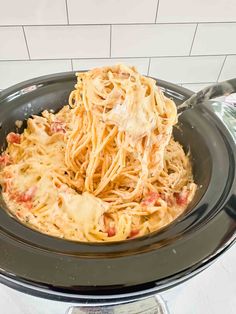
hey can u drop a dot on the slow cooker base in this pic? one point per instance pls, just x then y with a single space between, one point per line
151 305
57 268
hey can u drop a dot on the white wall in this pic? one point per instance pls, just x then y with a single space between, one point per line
188 42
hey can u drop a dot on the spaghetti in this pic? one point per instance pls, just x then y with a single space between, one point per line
105 167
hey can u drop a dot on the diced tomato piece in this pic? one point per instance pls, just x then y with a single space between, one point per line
28 195
23 198
29 205
182 198
31 191
5 160
109 226
111 232
13 195
13 138
133 233
151 199
57 127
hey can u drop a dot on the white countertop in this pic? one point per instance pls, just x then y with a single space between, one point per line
211 292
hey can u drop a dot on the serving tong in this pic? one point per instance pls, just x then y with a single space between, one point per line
224 88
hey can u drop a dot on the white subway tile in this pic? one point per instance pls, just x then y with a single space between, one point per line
215 38
229 69
87 64
187 69
56 42
29 12
197 87
111 11
13 44
13 72
151 40
196 11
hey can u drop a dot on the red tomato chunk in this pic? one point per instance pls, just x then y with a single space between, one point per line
182 198
5 160
133 233
28 195
13 138
57 127
151 199
111 232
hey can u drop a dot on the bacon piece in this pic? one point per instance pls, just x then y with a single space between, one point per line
182 198
5 160
150 199
13 138
57 127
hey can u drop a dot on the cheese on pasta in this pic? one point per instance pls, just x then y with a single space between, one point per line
105 167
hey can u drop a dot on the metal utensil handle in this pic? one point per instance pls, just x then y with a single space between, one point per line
219 89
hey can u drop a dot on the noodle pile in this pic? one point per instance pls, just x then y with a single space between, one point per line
105 167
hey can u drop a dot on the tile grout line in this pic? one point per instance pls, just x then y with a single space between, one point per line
149 63
110 40
196 83
157 8
27 47
71 62
194 35
221 69
67 13
117 57
123 24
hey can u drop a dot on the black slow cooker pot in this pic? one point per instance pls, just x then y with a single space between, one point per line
115 272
